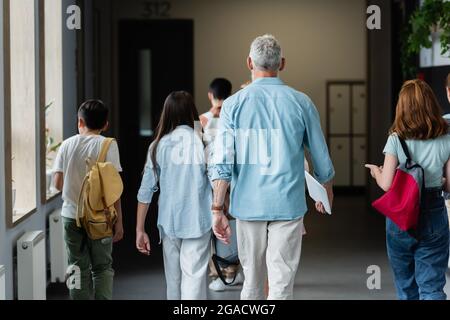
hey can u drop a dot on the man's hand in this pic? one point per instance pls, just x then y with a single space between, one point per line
118 232
320 208
221 227
143 242
329 188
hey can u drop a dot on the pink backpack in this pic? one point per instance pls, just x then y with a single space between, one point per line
401 203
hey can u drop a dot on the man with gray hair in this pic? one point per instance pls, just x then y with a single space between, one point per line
263 131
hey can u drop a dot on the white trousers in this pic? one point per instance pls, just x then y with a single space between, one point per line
269 249
186 266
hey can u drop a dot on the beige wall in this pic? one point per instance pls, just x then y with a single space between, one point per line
322 39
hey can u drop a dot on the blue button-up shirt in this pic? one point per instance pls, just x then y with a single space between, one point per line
263 130
185 198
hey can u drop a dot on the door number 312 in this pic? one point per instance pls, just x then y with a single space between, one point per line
158 9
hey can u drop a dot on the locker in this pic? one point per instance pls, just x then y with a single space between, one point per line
339 96
359 109
340 155
359 160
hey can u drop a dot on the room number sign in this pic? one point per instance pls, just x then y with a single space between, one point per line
156 9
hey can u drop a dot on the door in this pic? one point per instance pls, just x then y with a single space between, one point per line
155 58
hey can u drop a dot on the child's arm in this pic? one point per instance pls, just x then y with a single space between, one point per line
58 180
142 239
118 226
384 176
58 169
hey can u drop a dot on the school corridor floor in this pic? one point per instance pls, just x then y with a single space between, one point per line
336 253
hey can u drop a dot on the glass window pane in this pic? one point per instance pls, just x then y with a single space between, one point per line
53 87
23 106
145 93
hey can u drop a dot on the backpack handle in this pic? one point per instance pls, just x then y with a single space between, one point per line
104 150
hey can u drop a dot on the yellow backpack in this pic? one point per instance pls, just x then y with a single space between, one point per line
101 188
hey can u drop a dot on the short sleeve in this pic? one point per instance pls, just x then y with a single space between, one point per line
113 156
391 146
149 183
58 164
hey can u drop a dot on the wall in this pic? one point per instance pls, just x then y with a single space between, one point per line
322 40
38 220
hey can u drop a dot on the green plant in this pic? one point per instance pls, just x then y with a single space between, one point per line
432 16
50 144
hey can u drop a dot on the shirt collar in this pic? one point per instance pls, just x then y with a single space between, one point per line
268 80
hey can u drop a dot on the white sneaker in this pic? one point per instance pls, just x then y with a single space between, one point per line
218 285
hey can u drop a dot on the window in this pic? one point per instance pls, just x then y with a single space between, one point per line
20 107
53 82
145 92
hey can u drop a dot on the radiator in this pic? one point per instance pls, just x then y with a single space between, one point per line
2 283
58 253
31 271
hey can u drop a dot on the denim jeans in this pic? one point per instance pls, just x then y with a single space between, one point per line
419 264
94 258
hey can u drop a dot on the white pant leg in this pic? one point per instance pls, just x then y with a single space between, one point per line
252 245
283 257
194 260
172 269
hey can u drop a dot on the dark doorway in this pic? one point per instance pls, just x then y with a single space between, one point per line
156 58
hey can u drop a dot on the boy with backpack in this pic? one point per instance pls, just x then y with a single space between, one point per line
86 170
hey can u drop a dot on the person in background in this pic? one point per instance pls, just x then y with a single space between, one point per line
219 90
267 195
93 257
419 263
176 162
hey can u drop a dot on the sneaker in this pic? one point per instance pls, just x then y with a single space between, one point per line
218 285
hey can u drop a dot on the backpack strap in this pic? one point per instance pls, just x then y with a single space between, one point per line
405 149
104 150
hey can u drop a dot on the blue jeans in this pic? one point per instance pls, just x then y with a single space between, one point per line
419 265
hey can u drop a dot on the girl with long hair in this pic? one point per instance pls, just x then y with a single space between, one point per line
176 166
419 262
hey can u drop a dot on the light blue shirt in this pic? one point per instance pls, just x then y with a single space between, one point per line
431 155
263 130
185 198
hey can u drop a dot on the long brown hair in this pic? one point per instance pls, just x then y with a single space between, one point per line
179 109
418 114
